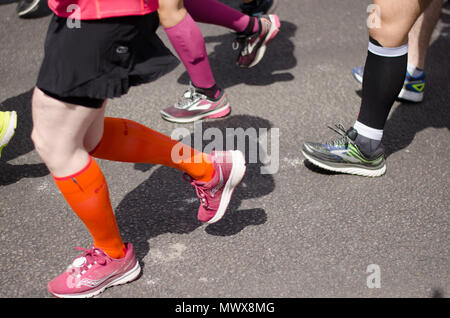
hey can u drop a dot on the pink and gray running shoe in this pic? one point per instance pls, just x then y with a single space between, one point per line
196 106
254 46
94 271
215 195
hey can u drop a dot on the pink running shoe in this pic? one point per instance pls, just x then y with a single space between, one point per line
93 272
195 105
254 45
229 167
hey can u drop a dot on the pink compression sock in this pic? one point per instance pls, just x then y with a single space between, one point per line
214 12
188 42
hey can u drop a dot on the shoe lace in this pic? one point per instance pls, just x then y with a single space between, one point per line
339 129
200 190
189 97
90 256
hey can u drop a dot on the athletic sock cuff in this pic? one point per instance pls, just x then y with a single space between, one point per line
250 26
387 51
368 132
86 167
180 24
213 92
414 71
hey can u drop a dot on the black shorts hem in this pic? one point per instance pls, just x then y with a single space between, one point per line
104 58
82 101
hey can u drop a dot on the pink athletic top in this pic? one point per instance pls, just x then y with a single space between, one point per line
100 9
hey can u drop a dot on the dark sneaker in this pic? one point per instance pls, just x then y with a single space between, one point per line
259 7
31 8
196 106
254 46
343 155
412 90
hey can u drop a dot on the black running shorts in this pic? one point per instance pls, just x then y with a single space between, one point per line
102 59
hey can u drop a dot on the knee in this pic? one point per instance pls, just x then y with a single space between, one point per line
57 154
47 144
44 146
388 29
38 141
388 38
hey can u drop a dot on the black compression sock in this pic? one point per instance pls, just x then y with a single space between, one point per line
384 74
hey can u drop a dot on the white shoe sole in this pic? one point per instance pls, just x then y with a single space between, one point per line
358 77
31 8
274 29
410 96
349 170
236 175
182 120
125 278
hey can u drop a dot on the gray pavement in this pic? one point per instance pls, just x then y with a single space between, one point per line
300 232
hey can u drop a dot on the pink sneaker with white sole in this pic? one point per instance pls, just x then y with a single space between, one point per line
94 271
215 195
196 106
254 45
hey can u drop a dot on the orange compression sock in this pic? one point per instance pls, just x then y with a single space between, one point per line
87 194
128 141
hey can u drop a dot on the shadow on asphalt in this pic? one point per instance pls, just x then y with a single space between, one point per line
437 293
278 58
165 203
407 119
20 144
7 1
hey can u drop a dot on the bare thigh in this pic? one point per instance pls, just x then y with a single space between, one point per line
59 132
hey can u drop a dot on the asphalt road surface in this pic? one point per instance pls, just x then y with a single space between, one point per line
298 232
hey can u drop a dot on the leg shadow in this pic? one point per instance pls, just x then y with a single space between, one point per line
21 143
166 203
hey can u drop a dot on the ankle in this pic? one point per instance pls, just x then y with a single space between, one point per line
252 26
212 92
206 173
414 71
367 146
115 252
